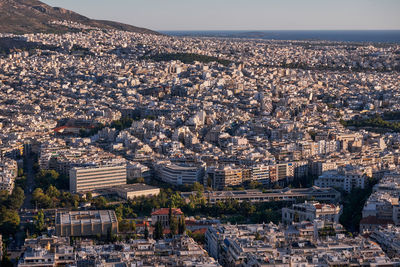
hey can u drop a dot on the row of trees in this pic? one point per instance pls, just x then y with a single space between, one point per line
176 226
9 206
376 121
46 178
53 198
120 124
353 204
230 210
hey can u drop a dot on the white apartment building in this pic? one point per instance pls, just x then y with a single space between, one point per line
309 211
85 179
181 174
260 173
344 180
8 173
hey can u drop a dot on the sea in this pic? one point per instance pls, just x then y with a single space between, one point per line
365 36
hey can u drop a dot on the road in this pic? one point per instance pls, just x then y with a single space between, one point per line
30 183
26 214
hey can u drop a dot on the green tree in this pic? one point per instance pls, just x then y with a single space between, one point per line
173 226
140 180
124 226
176 201
3 196
9 221
52 192
16 199
197 187
132 226
89 196
5 261
158 231
45 178
146 231
170 214
41 200
181 226
39 222
37 193
119 211
258 236
100 202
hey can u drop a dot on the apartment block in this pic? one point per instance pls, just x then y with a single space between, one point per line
85 179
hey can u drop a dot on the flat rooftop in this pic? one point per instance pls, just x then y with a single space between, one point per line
270 192
86 217
133 187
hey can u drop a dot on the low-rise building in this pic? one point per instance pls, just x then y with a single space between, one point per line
131 191
389 239
382 207
309 211
162 215
86 223
270 195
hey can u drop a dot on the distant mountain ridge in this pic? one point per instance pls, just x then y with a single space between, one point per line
32 16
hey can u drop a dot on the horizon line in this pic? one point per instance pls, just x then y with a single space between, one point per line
280 30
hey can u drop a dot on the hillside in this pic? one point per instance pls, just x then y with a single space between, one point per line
31 16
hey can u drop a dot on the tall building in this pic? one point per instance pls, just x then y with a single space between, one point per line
225 176
260 173
85 179
181 174
284 173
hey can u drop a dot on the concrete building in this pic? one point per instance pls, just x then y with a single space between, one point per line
86 223
382 207
181 174
309 211
347 180
286 194
260 174
389 239
131 191
225 176
85 179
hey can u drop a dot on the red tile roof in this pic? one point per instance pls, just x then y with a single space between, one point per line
165 211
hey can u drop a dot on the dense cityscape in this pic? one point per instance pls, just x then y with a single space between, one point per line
135 149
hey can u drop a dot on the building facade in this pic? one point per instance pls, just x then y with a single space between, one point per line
181 174
86 223
309 211
85 179
162 215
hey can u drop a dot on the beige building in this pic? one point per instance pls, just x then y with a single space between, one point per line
86 223
131 191
86 179
225 176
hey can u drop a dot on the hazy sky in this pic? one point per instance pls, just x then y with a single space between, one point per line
243 14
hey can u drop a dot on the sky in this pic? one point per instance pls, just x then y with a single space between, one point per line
163 15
